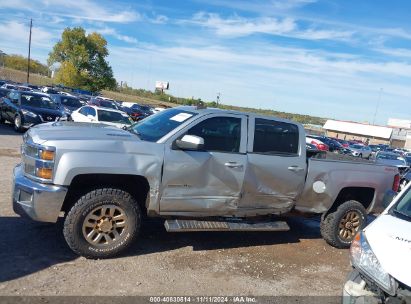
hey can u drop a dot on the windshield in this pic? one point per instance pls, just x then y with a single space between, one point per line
403 207
156 126
115 117
70 102
37 101
3 92
107 104
356 146
141 108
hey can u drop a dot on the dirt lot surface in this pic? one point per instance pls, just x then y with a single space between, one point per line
34 258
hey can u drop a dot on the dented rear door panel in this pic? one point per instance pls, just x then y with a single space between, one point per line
273 181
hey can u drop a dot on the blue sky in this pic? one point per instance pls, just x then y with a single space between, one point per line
338 59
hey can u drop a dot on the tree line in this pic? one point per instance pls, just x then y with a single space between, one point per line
18 62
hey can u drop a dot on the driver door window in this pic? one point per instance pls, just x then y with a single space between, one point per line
220 134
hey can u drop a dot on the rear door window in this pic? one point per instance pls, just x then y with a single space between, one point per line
84 111
275 137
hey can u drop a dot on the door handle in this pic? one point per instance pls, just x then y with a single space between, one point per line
295 168
233 165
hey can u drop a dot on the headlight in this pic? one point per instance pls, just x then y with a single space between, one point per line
28 113
38 161
364 259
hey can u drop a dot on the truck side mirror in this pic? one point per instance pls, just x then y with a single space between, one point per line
388 198
190 142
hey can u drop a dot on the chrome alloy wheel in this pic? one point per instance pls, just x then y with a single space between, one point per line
349 225
105 225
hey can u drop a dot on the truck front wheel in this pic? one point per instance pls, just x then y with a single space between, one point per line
102 223
338 228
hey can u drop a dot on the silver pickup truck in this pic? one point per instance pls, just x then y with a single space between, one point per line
199 169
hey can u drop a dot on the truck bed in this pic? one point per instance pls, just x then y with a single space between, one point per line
329 173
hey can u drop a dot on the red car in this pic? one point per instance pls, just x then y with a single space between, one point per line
343 142
319 144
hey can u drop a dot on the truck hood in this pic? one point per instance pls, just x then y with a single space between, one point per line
390 240
58 131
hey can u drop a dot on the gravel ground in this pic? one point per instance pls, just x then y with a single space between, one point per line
34 259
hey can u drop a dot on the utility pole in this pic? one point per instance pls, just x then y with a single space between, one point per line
218 98
28 59
378 105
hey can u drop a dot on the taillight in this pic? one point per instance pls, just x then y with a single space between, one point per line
323 147
396 184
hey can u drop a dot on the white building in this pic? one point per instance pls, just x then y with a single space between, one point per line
348 130
401 136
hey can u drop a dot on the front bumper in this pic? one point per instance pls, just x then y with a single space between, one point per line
40 202
357 291
354 291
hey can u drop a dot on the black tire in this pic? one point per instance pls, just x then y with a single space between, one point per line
18 122
78 218
360 156
2 120
331 223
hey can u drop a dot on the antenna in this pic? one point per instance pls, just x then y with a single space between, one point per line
28 59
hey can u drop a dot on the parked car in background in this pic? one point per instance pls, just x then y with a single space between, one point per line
400 152
66 103
107 116
144 110
333 145
3 92
361 151
33 87
104 102
49 90
391 159
127 104
343 142
25 109
375 148
9 86
318 143
405 178
380 257
383 147
84 99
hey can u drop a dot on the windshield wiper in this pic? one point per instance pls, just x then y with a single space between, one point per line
131 130
402 214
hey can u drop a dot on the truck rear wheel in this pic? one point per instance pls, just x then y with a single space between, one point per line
338 228
102 223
